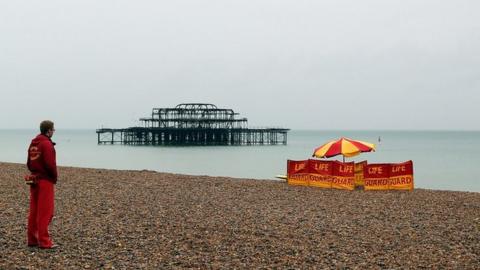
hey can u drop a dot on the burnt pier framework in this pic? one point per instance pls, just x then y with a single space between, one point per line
193 124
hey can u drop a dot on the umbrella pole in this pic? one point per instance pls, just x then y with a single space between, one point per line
343 159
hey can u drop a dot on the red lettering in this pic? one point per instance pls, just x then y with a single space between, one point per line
401 180
300 176
376 182
343 181
319 178
408 180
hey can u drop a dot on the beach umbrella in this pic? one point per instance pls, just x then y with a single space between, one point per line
344 146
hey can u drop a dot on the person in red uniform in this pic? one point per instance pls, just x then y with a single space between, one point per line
42 163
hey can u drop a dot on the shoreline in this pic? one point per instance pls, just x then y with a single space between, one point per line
146 219
274 178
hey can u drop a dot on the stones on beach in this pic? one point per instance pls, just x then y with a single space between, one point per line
111 219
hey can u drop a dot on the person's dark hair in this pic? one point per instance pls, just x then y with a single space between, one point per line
45 126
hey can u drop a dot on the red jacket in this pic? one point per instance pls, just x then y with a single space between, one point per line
42 158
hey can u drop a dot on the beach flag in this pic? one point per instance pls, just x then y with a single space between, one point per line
297 172
401 176
376 176
343 175
320 173
347 175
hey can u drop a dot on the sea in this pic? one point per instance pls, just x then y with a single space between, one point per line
443 160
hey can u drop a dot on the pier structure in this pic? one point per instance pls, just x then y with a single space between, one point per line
193 124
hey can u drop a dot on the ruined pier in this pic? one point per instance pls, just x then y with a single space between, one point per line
193 124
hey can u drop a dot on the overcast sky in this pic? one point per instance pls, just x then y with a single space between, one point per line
301 64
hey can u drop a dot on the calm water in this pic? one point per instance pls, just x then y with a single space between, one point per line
447 160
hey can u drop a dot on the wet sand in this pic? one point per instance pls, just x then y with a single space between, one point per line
113 219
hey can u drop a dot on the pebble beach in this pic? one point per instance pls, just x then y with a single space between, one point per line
118 219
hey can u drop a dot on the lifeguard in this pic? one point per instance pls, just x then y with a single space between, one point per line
43 167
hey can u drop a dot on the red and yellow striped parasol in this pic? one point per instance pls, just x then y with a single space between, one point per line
343 146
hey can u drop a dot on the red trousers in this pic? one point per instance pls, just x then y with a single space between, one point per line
41 213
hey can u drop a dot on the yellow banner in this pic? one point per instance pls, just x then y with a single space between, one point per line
299 179
318 180
359 181
340 182
376 184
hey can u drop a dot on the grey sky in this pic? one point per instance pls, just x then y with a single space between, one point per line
299 64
